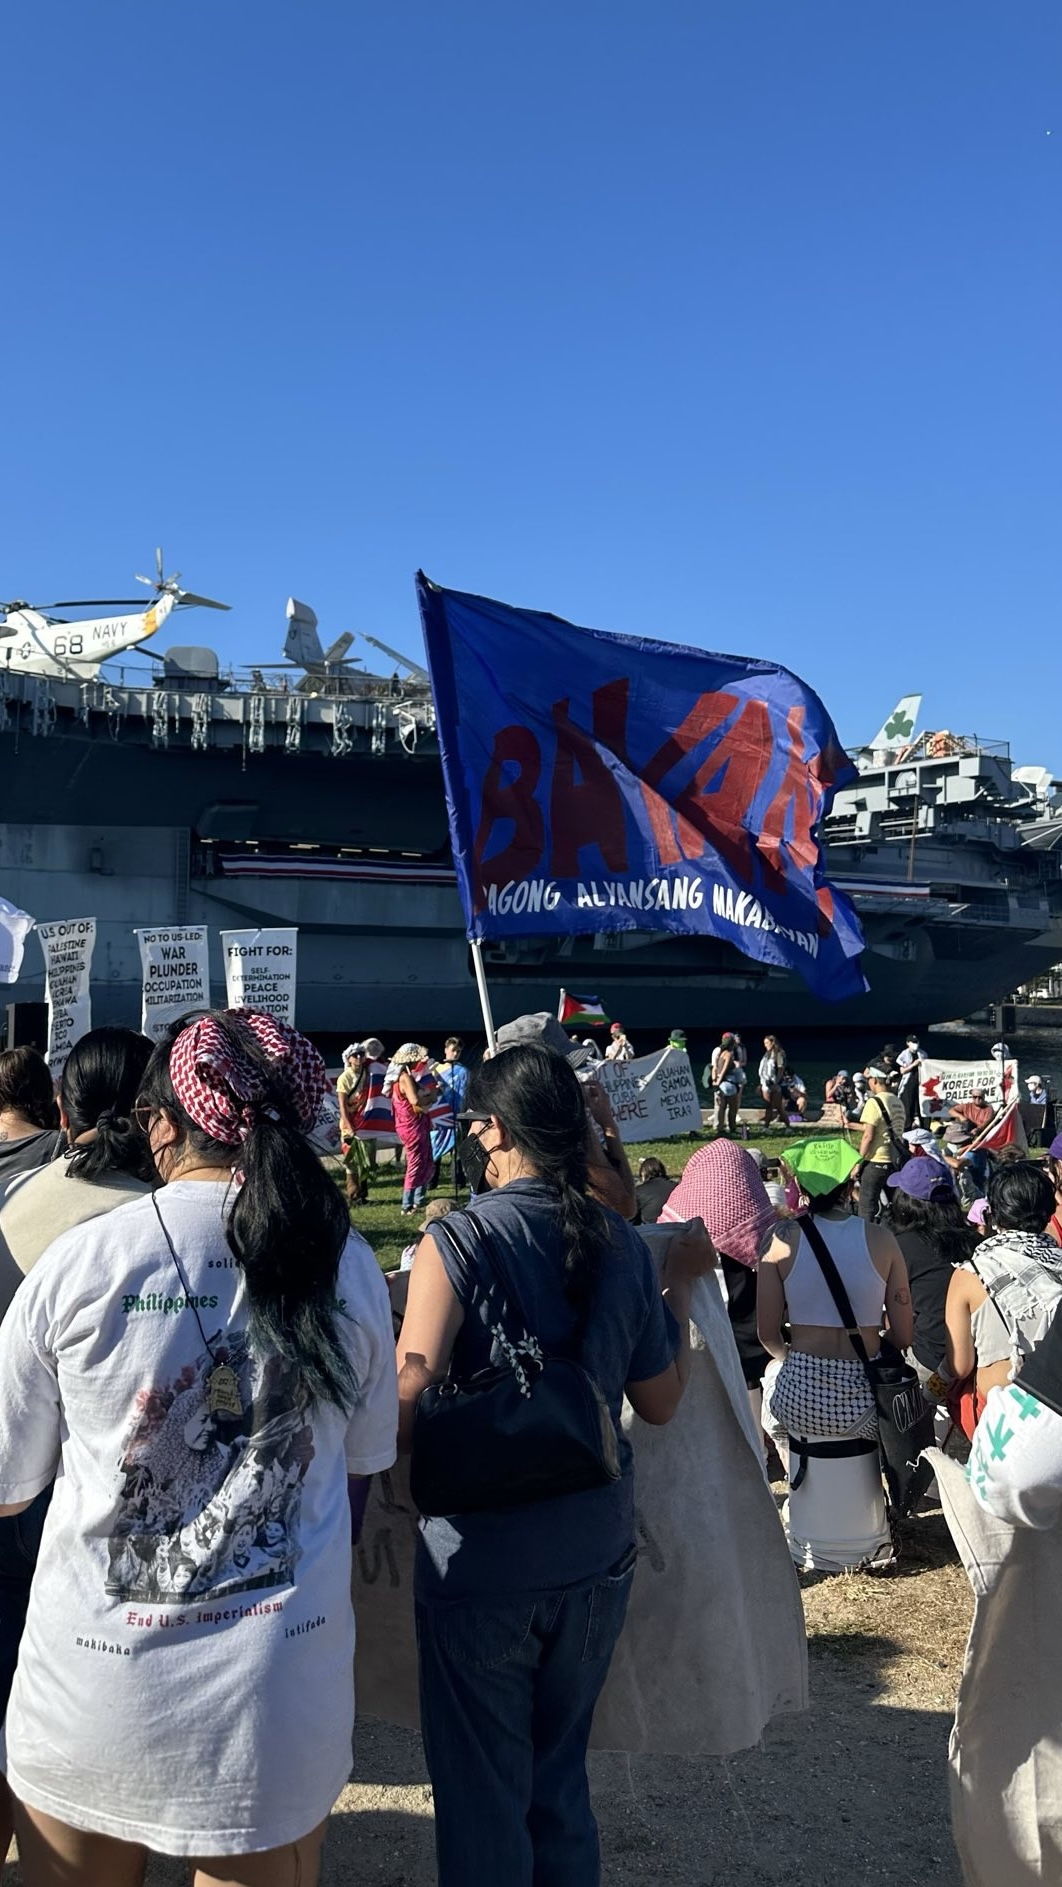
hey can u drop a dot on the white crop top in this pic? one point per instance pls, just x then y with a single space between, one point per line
807 1293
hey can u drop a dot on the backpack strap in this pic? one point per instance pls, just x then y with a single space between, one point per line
895 1144
488 1286
840 1296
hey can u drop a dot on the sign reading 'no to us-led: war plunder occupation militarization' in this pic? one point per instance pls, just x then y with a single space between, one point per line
175 970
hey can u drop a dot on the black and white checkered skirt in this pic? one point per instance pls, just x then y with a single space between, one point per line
823 1398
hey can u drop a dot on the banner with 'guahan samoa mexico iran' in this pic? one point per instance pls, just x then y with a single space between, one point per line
599 782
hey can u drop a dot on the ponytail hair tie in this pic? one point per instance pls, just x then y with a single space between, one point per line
107 1118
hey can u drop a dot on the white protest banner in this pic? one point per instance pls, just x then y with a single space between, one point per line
173 964
941 1084
324 1136
68 947
260 971
653 1098
15 926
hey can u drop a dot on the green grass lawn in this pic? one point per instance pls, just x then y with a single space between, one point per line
381 1221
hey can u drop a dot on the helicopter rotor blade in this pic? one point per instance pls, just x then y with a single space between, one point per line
158 561
189 599
150 581
92 602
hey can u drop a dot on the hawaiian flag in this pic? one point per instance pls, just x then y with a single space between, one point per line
579 1012
377 1116
437 1100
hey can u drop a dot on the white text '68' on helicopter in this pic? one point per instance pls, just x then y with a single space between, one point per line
36 642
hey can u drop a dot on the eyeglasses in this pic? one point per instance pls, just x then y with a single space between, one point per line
143 1115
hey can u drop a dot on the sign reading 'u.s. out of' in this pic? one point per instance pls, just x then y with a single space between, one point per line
68 945
598 782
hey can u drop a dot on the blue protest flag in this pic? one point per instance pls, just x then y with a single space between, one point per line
601 782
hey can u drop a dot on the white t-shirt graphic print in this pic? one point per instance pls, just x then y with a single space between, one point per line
220 1541
211 1502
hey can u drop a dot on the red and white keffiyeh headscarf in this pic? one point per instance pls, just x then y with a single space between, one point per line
222 1090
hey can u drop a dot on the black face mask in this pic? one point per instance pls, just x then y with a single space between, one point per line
473 1159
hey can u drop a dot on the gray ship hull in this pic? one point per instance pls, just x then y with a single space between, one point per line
391 957
329 815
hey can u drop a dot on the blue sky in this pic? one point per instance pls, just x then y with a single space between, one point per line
733 323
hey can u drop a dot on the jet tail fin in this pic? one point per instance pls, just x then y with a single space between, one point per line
302 644
898 727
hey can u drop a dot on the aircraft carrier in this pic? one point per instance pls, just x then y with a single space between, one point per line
167 791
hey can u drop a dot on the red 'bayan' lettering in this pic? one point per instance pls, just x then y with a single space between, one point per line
513 799
712 808
792 795
714 805
587 810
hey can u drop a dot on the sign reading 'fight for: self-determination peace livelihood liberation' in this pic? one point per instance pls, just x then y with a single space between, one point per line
597 782
260 971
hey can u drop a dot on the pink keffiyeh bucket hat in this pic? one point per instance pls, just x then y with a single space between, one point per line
722 1186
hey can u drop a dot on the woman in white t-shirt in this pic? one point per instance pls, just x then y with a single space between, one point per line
204 1367
106 1164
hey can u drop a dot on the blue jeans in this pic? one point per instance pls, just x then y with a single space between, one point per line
507 1693
20 1541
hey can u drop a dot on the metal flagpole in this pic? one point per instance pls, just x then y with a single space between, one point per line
484 995
453 1149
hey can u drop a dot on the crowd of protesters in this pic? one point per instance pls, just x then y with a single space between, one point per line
198 1378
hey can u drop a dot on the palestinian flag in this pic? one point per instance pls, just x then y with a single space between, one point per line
581 1012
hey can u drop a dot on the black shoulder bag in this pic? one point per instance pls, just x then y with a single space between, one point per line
905 1418
527 1427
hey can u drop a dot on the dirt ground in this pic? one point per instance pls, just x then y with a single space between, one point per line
853 1792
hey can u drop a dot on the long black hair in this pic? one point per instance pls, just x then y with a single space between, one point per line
287 1225
941 1222
26 1086
99 1087
1021 1198
535 1095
